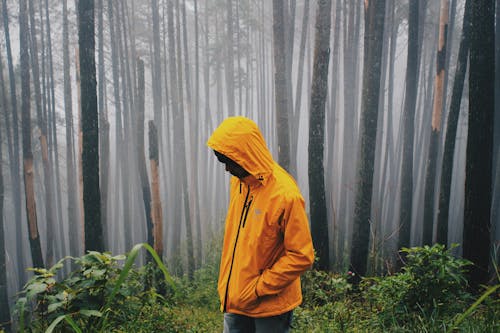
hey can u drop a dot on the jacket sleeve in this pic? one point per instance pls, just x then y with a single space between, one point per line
298 250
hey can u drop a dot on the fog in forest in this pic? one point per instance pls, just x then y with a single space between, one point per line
167 72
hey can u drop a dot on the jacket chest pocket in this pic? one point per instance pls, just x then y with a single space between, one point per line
263 236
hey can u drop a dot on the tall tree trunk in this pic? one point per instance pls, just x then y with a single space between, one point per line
174 88
117 168
15 158
141 157
126 168
53 150
4 297
71 175
350 138
280 85
409 128
495 214
42 125
319 221
189 212
104 140
29 183
451 128
294 134
479 160
374 30
199 239
230 59
156 64
336 250
156 211
442 235
90 151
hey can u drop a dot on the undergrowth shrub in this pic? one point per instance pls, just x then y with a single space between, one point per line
98 293
320 288
432 280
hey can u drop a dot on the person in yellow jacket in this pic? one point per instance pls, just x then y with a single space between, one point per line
267 241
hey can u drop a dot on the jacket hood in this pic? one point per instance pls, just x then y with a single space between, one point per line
240 139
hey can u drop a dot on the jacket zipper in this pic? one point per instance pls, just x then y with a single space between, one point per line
244 213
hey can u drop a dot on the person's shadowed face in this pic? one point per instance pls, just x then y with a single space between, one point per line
231 166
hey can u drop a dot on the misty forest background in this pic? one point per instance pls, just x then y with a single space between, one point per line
384 111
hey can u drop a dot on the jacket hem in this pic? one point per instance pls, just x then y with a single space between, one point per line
266 313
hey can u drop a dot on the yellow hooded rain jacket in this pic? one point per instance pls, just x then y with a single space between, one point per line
267 241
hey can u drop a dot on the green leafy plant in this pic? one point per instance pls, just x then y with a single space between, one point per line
437 277
431 281
100 290
320 288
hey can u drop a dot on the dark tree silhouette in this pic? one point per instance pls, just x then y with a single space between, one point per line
317 202
280 85
374 30
4 301
14 157
29 182
451 128
90 128
478 171
409 127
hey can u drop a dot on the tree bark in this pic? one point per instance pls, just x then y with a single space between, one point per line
374 29
34 236
15 158
451 129
230 59
90 148
442 235
141 157
156 210
280 85
4 297
319 221
104 140
479 154
409 127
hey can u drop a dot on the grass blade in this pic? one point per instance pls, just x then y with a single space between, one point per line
473 307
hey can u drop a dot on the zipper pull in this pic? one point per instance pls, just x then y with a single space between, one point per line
247 207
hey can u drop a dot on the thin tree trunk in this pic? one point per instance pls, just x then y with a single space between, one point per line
199 239
451 128
190 212
15 158
126 181
141 157
90 151
156 211
4 297
229 64
52 149
280 85
104 140
407 187
442 235
71 174
34 236
294 134
174 88
42 125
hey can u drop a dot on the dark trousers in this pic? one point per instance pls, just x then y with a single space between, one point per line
235 323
